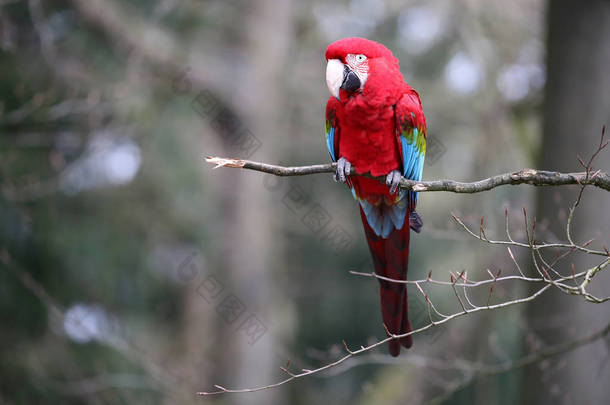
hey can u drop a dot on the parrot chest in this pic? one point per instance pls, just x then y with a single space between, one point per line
372 151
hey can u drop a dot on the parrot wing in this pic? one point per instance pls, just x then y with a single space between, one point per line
332 128
411 137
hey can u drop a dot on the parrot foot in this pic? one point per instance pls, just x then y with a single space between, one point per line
393 180
415 222
343 169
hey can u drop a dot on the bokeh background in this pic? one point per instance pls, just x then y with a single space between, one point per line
131 272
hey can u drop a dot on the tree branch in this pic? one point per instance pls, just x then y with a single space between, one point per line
363 349
526 176
535 357
543 267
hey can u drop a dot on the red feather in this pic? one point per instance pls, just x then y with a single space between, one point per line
390 258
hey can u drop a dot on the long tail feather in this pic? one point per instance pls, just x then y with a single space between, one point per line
390 257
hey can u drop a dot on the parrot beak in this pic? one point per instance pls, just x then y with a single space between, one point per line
335 71
340 76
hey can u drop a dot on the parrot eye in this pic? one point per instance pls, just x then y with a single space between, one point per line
360 58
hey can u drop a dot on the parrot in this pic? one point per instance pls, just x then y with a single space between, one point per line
375 124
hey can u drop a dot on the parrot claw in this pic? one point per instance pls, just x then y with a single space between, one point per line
415 222
393 180
343 169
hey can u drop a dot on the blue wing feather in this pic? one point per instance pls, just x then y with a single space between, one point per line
330 141
332 131
411 128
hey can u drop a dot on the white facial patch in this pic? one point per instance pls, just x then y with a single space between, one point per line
359 64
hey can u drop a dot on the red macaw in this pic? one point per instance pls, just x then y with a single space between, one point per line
375 124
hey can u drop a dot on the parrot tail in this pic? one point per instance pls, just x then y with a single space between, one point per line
390 257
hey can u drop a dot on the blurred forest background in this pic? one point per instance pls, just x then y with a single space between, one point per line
130 272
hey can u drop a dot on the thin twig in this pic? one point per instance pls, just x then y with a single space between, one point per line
535 357
222 390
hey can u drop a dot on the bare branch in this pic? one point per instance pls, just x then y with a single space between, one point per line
525 176
548 276
222 390
474 372
530 245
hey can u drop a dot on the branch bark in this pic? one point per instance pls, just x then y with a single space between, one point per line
532 177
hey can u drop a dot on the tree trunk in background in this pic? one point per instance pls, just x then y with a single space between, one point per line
577 105
268 27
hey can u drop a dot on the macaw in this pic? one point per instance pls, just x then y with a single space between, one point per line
375 124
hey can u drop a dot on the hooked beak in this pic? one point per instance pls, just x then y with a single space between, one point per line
334 76
339 76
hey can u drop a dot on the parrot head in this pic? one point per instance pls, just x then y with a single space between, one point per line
354 62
